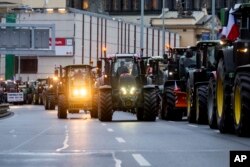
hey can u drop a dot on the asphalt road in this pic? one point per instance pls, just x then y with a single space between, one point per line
33 137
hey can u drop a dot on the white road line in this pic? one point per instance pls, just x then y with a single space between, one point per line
110 130
12 131
217 131
27 141
120 140
65 142
103 124
195 126
118 162
141 160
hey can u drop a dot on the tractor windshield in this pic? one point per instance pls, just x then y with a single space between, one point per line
79 75
124 66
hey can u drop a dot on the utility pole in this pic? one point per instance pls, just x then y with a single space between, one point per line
142 27
163 27
213 19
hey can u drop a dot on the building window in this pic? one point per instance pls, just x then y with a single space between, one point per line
156 4
126 5
116 5
28 65
148 4
85 4
136 5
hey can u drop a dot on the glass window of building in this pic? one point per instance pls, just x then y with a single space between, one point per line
116 5
85 4
126 5
156 4
148 4
136 5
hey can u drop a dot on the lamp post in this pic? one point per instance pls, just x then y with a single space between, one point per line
163 27
213 19
142 27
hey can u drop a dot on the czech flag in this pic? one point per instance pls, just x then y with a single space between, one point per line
232 30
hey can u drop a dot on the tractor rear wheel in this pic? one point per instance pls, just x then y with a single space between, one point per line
211 104
241 104
62 107
150 105
105 107
201 104
223 100
190 103
94 111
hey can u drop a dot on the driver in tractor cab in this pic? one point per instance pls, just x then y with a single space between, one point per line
122 69
78 75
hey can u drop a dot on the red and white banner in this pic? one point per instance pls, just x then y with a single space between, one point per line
64 46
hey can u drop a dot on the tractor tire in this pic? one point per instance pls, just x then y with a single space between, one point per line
45 102
169 105
139 114
94 111
105 107
190 103
40 100
223 100
211 104
150 105
51 102
241 104
163 107
201 104
34 100
62 107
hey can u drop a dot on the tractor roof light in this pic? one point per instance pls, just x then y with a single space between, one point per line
243 50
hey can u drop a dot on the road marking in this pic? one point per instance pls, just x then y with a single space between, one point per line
217 131
27 141
110 130
141 160
12 131
120 140
65 142
195 126
118 162
103 124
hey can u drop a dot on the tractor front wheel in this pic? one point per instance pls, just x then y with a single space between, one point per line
62 107
150 105
105 107
241 104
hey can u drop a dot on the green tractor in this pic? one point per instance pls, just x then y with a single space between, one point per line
125 87
200 79
75 90
233 79
173 105
50 93
38 91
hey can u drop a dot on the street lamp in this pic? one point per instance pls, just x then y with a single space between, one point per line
142 27
163 27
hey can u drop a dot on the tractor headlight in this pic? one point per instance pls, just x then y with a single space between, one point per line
123 91
170 73
50 86
80 92
132 91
